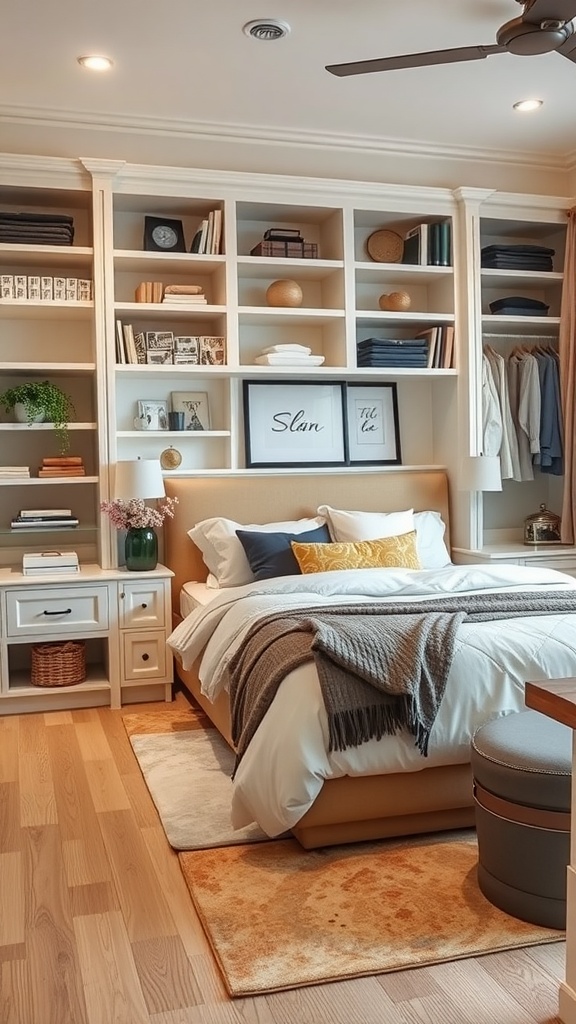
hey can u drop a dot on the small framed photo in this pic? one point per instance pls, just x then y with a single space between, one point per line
372 434
194 405
153 413
300 423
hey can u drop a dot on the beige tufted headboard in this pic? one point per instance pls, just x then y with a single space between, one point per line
261 498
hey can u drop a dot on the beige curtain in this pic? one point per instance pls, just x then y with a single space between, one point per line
567 348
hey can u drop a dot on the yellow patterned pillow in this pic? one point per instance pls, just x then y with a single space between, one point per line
387 552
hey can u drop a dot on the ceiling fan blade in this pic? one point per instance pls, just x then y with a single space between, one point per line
549 10
414 60
568 49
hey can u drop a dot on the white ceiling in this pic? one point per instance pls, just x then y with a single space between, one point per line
185 64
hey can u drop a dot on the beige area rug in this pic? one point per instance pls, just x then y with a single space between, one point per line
279 917
187 768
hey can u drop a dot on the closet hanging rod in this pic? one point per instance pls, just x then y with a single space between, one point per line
522 337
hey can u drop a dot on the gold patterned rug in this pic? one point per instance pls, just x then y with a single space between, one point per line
279 917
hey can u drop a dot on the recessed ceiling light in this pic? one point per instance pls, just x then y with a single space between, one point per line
95 62
266 29
526 105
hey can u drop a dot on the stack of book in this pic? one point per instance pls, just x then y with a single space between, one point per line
383 352
429 245
184 294
9 473
43 519
63 465
209 234
149 291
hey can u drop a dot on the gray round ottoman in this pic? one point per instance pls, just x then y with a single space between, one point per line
522 766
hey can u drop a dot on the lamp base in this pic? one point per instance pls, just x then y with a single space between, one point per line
141 549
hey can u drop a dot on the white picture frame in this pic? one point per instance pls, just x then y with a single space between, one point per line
372 428
300 423
195 406
153 413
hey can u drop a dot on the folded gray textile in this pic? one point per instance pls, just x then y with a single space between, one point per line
381 669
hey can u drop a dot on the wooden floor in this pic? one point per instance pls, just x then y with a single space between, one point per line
97 927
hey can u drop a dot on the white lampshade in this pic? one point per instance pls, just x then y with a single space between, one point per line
139 478
480 473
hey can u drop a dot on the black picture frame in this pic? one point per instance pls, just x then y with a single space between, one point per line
289 424
151 227
372 425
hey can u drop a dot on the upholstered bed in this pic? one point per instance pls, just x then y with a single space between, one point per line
414 794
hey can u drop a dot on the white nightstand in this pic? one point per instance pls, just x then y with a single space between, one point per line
124 617
554 556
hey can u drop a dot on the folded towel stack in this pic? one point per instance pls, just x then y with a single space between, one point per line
288 355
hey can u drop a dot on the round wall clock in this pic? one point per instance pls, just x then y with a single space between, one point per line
170 458
161 234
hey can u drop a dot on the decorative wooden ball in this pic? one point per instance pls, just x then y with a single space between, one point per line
284 293
395 302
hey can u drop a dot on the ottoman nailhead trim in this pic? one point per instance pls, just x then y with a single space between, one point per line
519 767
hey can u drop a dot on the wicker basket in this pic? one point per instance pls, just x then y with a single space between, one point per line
59 664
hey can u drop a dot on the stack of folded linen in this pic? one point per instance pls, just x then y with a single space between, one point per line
288 355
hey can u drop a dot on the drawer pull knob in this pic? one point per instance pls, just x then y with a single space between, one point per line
144 605
145 657
65 611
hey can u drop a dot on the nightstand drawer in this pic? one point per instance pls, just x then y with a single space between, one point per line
144 655
41 611
141 604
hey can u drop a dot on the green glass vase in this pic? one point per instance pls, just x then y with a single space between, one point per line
141 549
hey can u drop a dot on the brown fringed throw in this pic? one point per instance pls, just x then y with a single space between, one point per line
380 669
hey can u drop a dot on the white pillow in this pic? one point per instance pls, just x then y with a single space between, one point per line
223 553
352 526
430 528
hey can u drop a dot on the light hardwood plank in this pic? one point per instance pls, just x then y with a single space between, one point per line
9 817
83 851
92 740
166 974
9 727
110 979
469 977
55 977
143 904
97 898
37 800
58 718
106 786
16 993
12 921
118 742
524 979
361 999
175 891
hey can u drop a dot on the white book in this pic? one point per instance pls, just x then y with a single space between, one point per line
59 290
20 286
217 233
34 291
303 350
210 232
202 243
120 349
33 513
71 289
7 286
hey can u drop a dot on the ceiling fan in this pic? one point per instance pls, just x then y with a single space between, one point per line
544 26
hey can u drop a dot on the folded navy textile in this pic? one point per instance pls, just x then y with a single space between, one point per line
519 302
392 342
529 250
37 218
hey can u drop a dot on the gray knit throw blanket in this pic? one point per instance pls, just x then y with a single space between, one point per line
380 670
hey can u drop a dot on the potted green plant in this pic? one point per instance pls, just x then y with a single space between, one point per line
38 401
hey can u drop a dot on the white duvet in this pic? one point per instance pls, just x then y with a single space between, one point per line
287 762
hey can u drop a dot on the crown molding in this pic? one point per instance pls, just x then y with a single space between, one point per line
268 135
45 171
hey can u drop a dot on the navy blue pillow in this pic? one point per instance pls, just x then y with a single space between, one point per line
270 554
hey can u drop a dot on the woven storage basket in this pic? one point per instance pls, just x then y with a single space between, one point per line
59 664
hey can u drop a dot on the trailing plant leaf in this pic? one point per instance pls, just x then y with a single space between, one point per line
42 396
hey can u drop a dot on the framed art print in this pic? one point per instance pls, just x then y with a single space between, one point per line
153 413
194 405
294 424
372 435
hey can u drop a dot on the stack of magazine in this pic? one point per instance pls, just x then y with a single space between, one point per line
44 519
